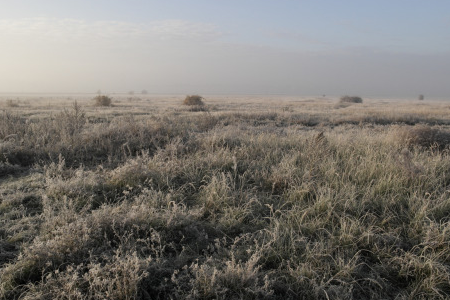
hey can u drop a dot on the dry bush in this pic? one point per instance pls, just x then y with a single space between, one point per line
424 136
71 122
193 100
350 99
102 100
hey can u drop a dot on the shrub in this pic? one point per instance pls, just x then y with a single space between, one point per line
102 100
350 99
193 100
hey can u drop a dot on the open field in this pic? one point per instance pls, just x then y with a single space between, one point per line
250 197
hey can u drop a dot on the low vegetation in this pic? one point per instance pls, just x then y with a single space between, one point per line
425 136
102 100
12 103
194 100
231 204
350 99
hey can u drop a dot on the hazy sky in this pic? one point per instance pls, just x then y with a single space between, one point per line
364 47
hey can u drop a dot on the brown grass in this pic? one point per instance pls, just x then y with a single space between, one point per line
249 201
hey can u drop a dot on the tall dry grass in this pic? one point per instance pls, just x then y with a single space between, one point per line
241 205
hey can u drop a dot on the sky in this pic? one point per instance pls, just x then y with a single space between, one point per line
294 47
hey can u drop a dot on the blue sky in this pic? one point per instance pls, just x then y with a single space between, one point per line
377 48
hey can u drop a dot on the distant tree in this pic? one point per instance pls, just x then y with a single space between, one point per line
131 93
144 92
421 97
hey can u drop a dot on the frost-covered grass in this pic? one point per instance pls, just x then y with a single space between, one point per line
278 202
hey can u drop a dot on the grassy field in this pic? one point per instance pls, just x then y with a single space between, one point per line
246 198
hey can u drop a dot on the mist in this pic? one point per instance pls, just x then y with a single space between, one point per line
175 56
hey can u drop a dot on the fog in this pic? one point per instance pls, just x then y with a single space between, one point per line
175 56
